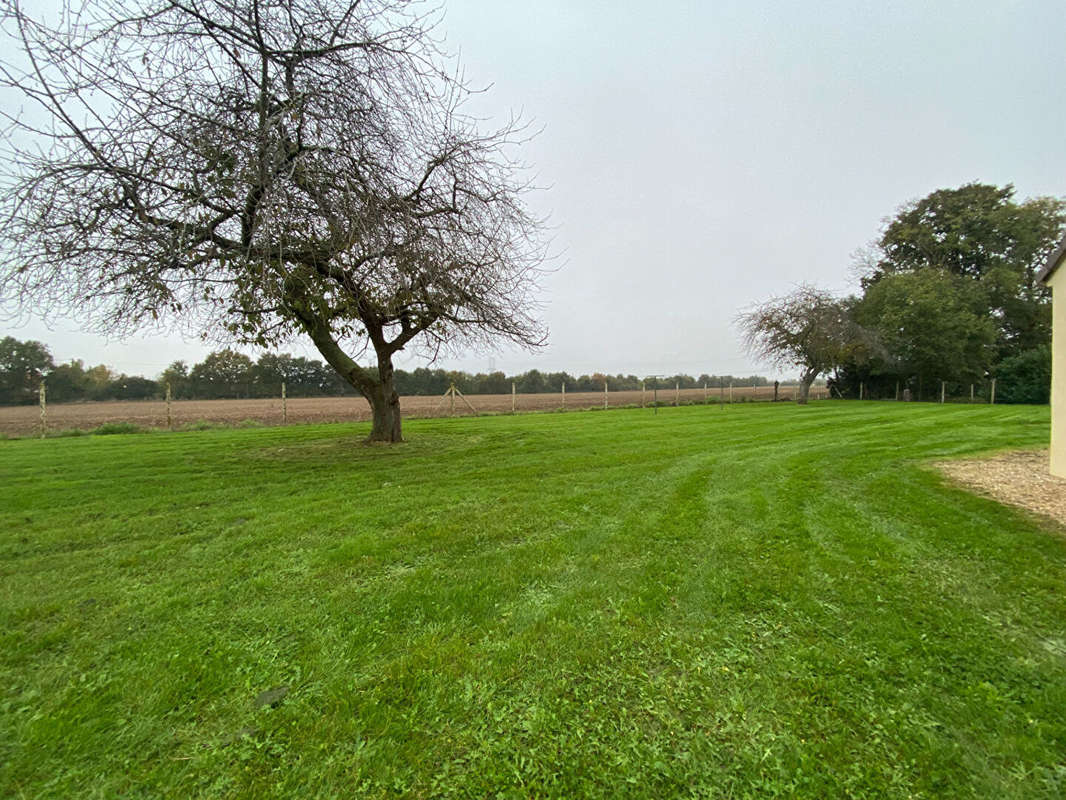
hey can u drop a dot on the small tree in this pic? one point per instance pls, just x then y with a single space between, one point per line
262 171
808 328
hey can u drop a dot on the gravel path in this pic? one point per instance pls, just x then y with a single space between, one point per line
1019 478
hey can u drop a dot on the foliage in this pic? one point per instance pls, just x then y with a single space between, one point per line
264 171
981 236
22 366
930 324
1025 378
67 382
809 328
116 428
225 373
671 605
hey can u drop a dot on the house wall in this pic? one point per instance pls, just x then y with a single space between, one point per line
1057 282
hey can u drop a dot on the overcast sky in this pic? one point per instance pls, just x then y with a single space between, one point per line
702 156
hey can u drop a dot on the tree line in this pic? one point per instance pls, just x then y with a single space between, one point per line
231 374
950 292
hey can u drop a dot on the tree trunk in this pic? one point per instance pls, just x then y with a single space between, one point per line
805 387
380 392
385 406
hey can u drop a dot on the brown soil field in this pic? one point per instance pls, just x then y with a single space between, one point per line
26 420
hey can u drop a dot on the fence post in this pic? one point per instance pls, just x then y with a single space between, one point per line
721 392
655 395
170 414
705 392
897 391
642 391
731 391
861 388
942 392
44 410
992 398
677 394
971 392
284 406
451 393
564 394
605 395
514 398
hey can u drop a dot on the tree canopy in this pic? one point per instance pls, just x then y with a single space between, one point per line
808 328
264 170
950 290
980 234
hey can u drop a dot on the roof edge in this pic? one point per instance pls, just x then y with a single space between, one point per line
1054 262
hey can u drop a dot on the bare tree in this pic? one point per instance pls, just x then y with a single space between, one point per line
808 328
258 170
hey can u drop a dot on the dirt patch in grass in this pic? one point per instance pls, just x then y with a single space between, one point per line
1018 478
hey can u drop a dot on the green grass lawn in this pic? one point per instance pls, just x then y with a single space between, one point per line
755 601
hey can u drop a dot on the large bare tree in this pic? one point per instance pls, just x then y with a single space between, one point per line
808 328
262 169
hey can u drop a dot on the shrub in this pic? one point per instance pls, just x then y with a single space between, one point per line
1025 378
111 428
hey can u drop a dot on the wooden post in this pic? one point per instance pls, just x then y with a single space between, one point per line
284 406
451 393
642 390
655 396
897 390
44 410
514 399
992 397
731 391
721 392
705 392
605 395
170 416
942 391
564 394
971 392
677 394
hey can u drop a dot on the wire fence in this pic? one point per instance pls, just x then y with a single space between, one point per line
168 414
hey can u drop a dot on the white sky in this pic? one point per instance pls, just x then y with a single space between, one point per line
701 156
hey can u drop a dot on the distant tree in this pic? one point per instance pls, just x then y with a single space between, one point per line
177 375
273 369
23 365
531 382
133 387
98 382
494 383
68 382
225 373
808 328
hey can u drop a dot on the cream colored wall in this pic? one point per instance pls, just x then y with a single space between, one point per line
1058 371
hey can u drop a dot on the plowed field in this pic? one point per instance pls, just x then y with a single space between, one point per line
26 420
